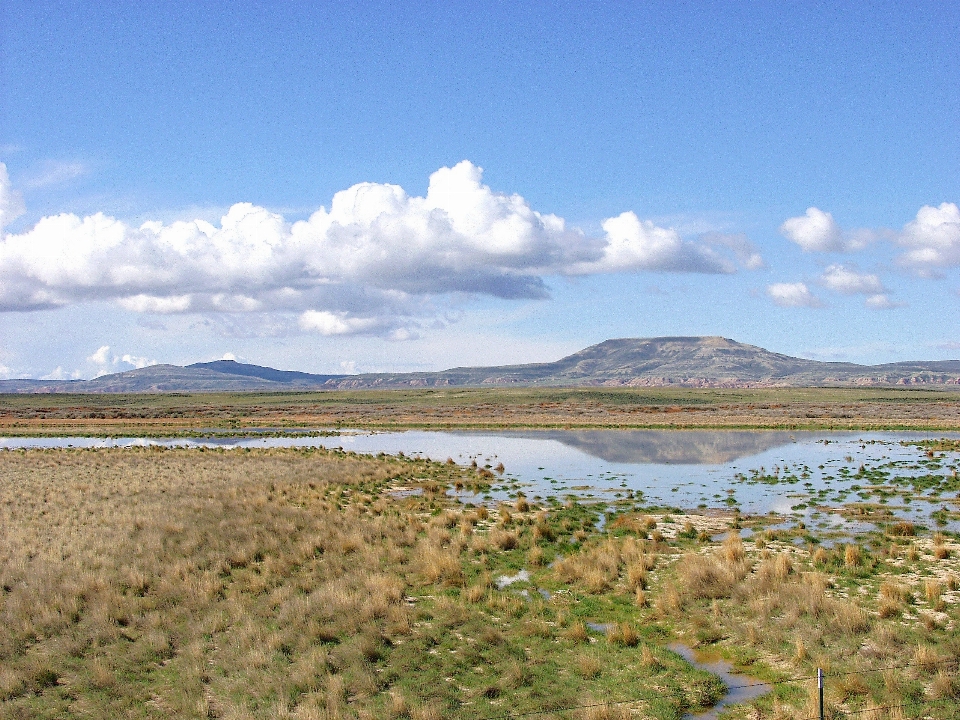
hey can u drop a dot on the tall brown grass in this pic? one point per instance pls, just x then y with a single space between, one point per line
198 582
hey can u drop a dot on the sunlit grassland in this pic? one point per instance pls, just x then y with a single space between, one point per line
793 408
316 584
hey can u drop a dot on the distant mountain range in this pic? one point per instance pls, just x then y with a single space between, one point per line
629 362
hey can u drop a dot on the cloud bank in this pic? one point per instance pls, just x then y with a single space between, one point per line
370 264
929 242
849 281
105 362
926 245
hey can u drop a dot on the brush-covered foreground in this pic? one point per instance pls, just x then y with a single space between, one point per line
317 584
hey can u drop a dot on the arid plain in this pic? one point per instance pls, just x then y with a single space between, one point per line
291 583
781 408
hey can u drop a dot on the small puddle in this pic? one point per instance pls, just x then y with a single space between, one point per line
599 627
505 580
744 533
740 688
405 492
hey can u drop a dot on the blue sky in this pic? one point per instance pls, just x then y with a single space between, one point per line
499 182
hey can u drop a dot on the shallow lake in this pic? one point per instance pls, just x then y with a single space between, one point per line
801 475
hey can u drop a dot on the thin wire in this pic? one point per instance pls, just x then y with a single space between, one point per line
531 713
893 667
922 703
842 674
559 710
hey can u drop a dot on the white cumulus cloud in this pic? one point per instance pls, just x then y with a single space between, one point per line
57 373
101 356
633 244
930 242
792 295
106 362
932 239
328 323
372 263
137 361
817 231
850 282
880 301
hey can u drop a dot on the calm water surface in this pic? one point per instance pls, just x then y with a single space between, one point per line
683 468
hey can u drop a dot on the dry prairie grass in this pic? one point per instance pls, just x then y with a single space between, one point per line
813 408
154 566
146 583
604 711
599 567
588 666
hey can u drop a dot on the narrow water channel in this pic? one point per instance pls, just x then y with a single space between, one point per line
740 688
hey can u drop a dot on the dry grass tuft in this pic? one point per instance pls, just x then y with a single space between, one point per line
902 529
536 557
595 569
429 711
945 686
399 706
577 632
475 593
623 634
940 549
889 608
669 602
852 556
649 660
926 658
587 666
504 539
800 653
637 577
440 566
703 577
894 592
543 531
733 549
604 712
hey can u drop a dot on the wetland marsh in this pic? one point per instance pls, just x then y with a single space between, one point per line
478 574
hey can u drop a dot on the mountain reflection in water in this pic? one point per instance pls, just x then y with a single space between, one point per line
663 447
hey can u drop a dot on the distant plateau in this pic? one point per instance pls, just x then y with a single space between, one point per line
704 362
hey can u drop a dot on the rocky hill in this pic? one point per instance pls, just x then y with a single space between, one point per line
636 362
